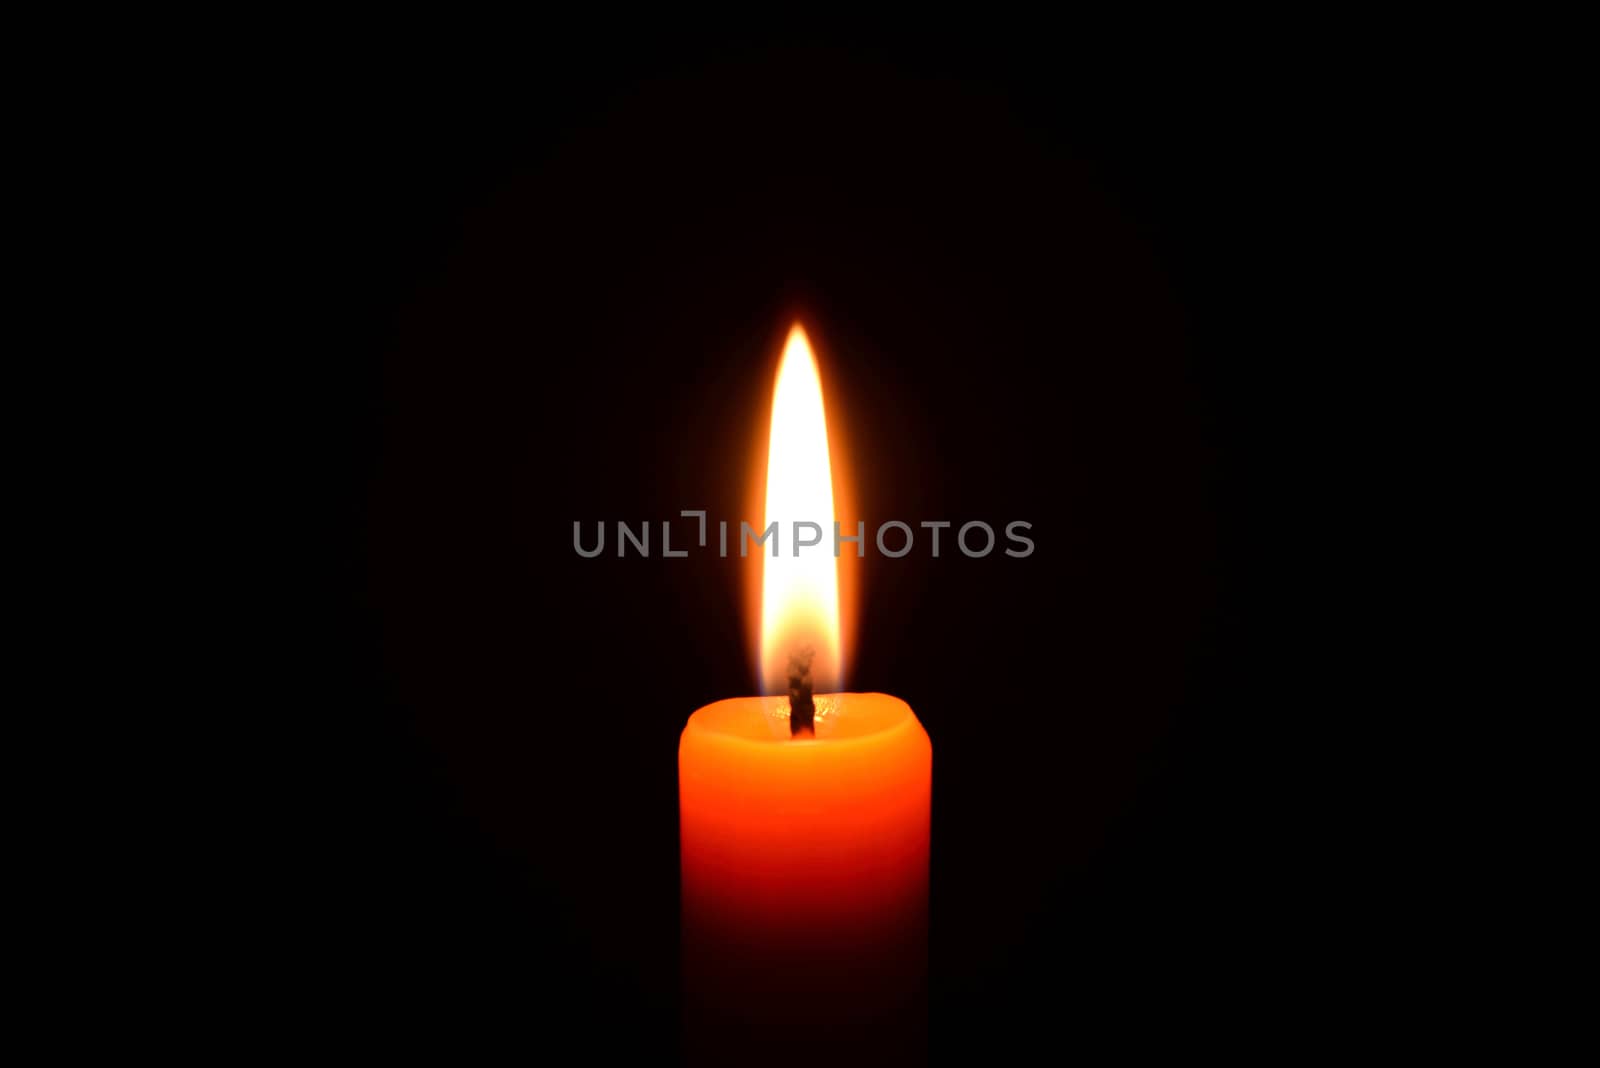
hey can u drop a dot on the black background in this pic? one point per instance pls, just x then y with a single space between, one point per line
1042 291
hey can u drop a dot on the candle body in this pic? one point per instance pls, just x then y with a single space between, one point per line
805 880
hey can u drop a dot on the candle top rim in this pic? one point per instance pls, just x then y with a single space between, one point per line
841 719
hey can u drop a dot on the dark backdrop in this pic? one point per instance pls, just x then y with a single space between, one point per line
554 293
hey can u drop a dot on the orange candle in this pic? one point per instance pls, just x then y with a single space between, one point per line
805 873
804 848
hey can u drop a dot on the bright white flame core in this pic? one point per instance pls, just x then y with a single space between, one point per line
799 594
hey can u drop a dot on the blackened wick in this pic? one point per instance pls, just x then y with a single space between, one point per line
802 709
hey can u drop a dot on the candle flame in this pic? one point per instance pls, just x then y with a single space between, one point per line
800 585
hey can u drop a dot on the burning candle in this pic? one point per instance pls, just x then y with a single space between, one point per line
804 814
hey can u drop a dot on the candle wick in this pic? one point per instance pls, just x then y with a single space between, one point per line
802 709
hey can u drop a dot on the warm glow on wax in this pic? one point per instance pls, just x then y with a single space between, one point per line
799 593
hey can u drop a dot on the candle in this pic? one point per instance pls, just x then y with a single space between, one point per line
804 817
